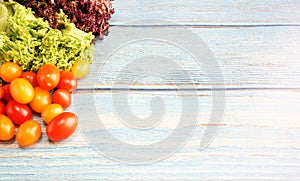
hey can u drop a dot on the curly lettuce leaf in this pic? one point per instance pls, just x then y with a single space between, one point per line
4 14
88 15
30 42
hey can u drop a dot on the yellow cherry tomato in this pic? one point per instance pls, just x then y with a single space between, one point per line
21 90
51 111
80 68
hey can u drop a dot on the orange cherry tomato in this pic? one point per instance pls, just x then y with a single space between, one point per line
51 111
1 92
62 126
68 81
9 71
21 90
48 77
7 96
7 128
28 133
31 77
41 99
62 97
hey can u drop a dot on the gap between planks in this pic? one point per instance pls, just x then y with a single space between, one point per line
79 90
204 25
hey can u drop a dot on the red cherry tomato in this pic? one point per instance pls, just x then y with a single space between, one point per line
41 99
7 96
31 77
2 107
1 92
48 77
62 97
7 128
62 126
18 113
21 90
9 71
68 81
28 133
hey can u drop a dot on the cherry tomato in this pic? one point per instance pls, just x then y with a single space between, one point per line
7 128
80 68
68 81
2 107
7 96
51 111
28 133
21 90
41 99
10 71
62 126
48 77
62 97
18 113
31 77
1 92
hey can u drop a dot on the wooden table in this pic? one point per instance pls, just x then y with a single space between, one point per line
257 46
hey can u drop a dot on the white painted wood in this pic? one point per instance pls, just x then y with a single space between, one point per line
258 140
207 12
257 46
248 57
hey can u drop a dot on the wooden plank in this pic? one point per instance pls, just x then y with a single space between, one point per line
259 136
207 12
258 140
264 57
262 108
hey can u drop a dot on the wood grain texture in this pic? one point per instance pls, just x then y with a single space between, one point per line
256 44
264 57
207 12
257 142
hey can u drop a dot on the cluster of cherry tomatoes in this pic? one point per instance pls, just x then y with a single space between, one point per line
47 92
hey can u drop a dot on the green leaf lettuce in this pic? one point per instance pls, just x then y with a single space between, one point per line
30 42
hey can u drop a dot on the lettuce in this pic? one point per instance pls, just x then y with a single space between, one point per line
31 42
4 14
88 15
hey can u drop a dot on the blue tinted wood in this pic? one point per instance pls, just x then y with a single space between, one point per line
253 143
206 12
248 57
